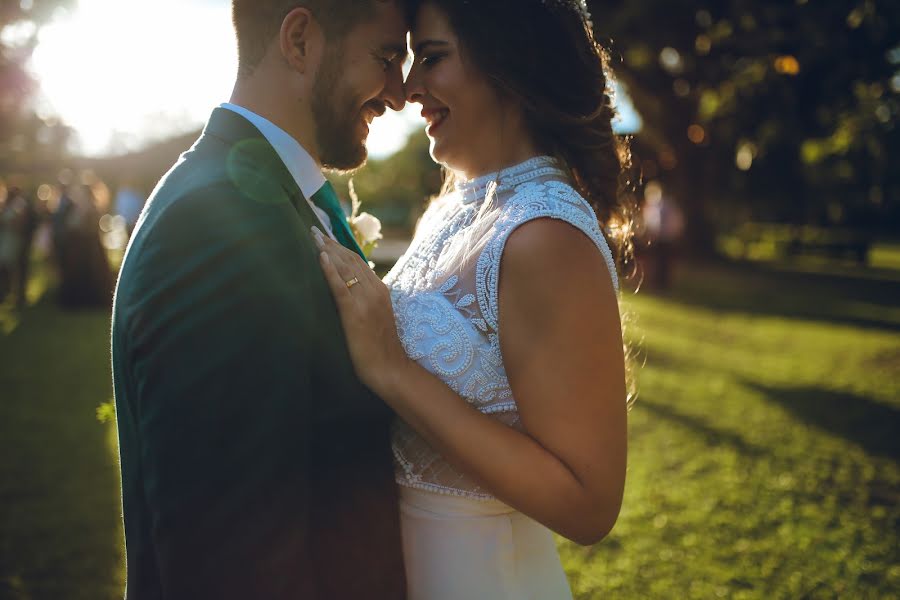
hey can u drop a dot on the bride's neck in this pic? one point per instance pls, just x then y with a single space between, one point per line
512 159
516 145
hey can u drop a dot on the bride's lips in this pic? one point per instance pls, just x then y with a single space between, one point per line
435 117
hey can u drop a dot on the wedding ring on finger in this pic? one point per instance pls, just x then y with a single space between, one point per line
351 282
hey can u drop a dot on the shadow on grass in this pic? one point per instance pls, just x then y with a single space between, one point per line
857 419
712 435
864 298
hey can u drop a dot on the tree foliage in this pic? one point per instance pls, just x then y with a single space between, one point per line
775 110
770 110
24 138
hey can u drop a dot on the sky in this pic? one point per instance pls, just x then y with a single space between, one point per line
125 72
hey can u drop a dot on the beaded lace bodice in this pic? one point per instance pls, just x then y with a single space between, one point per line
445 297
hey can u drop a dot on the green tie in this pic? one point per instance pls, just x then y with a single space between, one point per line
327 200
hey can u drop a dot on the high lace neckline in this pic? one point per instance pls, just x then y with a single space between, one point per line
476 190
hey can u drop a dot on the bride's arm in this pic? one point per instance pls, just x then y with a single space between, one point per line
562 350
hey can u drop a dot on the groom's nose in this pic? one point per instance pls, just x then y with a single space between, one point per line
393 94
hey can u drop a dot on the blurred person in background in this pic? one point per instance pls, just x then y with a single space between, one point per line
18 222
31 221
9 239
85 275
663 227
128 205
58 229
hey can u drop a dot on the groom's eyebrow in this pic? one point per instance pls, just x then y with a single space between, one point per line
425 43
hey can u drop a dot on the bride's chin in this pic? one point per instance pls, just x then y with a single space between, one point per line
440 154
435 151
451 165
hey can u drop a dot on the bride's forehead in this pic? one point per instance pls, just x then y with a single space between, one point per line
430 21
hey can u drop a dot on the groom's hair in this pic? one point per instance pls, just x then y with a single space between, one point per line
257 22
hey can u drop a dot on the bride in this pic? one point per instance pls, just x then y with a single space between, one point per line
496 338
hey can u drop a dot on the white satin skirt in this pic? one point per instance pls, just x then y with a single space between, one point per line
458 548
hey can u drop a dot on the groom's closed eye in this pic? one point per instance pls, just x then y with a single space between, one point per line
391 55
386 61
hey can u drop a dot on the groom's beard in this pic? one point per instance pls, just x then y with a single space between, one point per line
337 114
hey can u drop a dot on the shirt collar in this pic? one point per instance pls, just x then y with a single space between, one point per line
301 165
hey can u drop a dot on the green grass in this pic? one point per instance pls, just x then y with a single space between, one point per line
60 517
885 256
763 459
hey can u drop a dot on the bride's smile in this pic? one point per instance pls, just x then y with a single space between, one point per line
473 130
434 117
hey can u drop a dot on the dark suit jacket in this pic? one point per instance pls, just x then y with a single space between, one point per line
254 462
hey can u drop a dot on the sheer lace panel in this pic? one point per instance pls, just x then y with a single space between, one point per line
445 294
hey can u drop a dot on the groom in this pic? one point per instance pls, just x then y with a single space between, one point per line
254 462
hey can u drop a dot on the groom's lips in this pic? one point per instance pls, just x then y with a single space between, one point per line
367 115
371 110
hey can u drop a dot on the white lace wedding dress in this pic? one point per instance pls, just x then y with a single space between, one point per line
459 541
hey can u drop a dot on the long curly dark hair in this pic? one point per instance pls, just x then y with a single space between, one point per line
542 56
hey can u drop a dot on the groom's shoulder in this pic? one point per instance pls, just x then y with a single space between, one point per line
212 169
215 181
211 198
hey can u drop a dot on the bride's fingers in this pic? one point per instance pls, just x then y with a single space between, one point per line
337 251
348 256
341 258
349 265
357 262
323 241
348 262
339 254
335 280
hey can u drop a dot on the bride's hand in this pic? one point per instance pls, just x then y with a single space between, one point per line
367 315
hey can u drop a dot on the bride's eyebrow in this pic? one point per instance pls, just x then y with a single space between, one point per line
427 43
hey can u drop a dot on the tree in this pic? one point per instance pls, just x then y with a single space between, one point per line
772 110
24 138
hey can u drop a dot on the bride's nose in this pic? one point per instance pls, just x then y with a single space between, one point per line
415 90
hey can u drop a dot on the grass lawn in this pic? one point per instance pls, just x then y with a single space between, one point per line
764 459
60 518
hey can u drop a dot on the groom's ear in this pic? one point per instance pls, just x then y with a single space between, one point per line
301 40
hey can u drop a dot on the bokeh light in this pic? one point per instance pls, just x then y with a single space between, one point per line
123 73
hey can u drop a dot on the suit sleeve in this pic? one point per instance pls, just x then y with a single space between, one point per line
220 332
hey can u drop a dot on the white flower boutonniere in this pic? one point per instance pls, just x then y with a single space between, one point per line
366 228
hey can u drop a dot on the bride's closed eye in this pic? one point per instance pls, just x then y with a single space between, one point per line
430 60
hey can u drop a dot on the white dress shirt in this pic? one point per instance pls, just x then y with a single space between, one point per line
299 163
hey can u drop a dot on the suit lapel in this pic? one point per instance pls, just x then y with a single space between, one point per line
308 217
